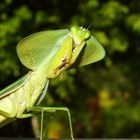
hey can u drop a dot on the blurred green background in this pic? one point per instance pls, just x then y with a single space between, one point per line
104 97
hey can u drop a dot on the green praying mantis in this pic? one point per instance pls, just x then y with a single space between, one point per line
46 54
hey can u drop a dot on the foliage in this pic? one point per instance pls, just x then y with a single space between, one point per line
103 97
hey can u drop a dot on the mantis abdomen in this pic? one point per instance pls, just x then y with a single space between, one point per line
20 100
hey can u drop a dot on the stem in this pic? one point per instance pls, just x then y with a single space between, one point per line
41 129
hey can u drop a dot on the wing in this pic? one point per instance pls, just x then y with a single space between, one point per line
13 87
40 47
92 52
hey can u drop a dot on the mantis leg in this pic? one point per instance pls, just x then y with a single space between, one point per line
77 52
5 114
43 93
25 115
52 109
8 115
5 118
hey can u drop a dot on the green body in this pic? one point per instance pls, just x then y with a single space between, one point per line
46 54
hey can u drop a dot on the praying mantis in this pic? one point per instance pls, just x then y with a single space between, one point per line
46 54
